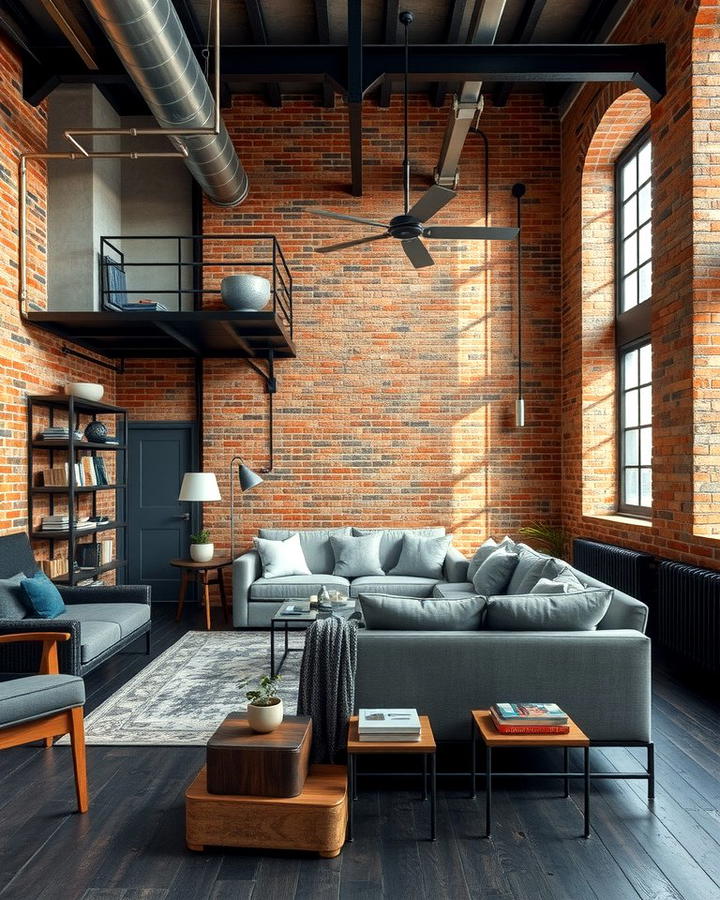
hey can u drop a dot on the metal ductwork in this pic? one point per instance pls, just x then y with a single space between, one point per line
152 45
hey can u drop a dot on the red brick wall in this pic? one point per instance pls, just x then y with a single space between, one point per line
30 361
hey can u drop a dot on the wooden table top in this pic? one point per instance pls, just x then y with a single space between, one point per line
492 737
236 733
217 562
426 744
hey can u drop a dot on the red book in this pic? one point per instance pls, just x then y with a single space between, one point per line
502 728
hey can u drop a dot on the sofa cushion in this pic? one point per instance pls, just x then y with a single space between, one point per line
96 637
551 586
531 567
391 541
280 558
453 590
356 555
295 587
402 585
128 616
22 699
422 555
42 597
315 543
495 572
548 612
484 550
393 613
11 598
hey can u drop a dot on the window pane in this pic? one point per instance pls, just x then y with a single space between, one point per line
645 277
631 409
645 353
644 208
646 487
629 292
646 406
628 179
630 369
645 251
644 163
631 448
645 446
629 254
629 216
631 492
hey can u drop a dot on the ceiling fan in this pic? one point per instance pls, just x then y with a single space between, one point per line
410 226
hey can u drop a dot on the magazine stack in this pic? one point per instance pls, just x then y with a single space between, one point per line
388 725
529 718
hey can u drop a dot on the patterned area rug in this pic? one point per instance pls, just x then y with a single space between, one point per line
181 697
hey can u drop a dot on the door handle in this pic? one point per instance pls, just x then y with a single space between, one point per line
185 516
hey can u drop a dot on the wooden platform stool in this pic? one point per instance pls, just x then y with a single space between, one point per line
234 801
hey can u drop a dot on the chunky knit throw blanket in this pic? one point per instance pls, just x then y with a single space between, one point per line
327 684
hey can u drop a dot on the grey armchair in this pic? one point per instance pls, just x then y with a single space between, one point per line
45 706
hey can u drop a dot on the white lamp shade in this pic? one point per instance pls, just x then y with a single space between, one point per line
199 487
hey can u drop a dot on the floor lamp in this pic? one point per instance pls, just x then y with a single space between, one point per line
247 479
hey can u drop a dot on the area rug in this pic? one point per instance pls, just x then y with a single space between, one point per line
181 697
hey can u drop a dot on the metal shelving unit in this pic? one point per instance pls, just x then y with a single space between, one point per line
74 411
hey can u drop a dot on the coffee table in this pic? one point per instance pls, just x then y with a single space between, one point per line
282 621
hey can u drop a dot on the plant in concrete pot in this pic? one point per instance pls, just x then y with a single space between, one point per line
265 708
201 547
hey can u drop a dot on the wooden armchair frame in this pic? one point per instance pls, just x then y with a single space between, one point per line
47 728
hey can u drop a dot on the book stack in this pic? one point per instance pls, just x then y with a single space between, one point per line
529 718
58 433
62 523
388 725
54 568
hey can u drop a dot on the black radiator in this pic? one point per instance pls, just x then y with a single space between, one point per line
688 612
629 571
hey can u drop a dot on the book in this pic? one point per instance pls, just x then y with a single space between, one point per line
396 721
505 728
530 713
388 737
106 552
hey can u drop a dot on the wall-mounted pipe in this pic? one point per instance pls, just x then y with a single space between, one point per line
150 41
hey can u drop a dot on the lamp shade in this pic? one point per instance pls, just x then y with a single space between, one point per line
248 479
199 487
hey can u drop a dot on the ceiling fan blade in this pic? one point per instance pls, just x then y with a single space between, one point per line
432 201
331 248
470 233
417 253
334 215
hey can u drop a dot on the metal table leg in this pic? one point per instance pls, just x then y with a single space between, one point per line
651 770
433 796
488 789
586 755
272 647
425 776
566 754
473 769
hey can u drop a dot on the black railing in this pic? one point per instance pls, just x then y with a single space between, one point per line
122 290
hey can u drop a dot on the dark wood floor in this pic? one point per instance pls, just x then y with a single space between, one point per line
131 844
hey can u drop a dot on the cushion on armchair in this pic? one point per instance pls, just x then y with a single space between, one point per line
24 699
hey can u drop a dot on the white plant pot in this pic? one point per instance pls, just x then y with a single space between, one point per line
202 552
265 718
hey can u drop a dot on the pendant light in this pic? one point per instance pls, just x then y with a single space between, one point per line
518 191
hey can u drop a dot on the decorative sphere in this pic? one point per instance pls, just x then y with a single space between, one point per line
96 432
245 292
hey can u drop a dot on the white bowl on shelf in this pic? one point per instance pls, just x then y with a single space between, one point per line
85 390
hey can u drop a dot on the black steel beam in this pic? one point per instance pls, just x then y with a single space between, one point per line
641 64
355 92
392 11
322 25
256 20
457 15
522 34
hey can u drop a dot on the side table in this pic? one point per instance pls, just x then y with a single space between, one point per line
200 573
482 725
425 746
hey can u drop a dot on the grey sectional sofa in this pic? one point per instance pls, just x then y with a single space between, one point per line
256 599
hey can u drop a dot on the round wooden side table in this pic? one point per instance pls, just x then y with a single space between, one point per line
201 573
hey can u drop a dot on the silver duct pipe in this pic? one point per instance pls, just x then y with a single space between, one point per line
152 45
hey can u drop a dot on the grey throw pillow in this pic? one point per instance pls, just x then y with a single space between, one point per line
550 586
389 613
281 558
422 556
357 556
11 604
482 553
494 574
531 568
541 612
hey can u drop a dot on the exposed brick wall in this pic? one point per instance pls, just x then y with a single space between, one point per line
30 361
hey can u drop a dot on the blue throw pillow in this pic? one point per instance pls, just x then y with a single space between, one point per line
42 597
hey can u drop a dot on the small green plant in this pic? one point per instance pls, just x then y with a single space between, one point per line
266 694
546 537
202 537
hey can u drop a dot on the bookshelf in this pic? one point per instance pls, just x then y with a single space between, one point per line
74 498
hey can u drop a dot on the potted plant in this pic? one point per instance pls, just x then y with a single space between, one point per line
201 547
547 537
265 708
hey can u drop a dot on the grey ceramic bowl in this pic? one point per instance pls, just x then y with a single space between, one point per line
248 292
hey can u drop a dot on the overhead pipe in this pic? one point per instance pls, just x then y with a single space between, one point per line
468 102
150 41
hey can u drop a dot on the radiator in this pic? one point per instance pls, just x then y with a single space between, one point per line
629 571
688 612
